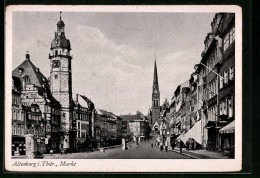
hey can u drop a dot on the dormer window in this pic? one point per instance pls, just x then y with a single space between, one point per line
21 70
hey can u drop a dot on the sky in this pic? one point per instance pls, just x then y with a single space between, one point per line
114 53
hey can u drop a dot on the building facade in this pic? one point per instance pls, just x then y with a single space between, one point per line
203 111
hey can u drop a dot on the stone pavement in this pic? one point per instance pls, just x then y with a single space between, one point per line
201 154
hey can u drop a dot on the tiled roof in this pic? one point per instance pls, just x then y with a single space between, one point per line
36 77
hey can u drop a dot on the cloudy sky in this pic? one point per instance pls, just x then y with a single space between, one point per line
114 53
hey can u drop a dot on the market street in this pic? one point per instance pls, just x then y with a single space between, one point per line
143 151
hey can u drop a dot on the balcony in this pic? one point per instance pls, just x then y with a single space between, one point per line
61 55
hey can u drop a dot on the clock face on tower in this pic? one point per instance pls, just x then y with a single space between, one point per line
55 63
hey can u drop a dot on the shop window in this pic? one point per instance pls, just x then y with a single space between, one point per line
231 73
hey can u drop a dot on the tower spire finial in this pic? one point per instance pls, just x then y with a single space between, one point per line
60 15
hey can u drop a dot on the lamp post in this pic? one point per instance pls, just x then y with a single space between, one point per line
38 154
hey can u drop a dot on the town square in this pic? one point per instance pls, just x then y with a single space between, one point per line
100 85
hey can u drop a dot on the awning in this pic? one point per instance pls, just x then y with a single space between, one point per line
230 128
194 132
180 136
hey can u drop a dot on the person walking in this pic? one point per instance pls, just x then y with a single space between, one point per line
181 144
166 146
152 145
161 146
188 145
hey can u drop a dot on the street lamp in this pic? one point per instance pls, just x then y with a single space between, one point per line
38 154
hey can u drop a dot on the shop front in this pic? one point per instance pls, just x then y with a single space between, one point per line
228 138
18 146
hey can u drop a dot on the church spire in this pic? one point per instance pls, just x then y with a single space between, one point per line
155 76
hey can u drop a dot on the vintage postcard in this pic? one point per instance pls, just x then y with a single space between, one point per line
123 88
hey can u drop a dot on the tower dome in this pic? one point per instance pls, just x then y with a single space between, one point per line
60 40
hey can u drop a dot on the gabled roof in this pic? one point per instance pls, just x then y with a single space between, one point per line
134 117
107 114
28 68
37 79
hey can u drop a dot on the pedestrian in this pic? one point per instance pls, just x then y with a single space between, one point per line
181 144
51 152
166 146
187 145
161 146
152 145
172 145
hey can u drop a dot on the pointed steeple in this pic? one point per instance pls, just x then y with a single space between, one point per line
155 76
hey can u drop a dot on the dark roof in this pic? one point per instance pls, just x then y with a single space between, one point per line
60 41
28 68
132 118
17 83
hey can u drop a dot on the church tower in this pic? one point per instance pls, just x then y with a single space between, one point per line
155 98
61 80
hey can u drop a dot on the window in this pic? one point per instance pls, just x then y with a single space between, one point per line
18 130
78 125
14 130
225 108
78 134
229 38
22 116
226 41
226 77
14 115
22 130
232 35
231 73
230 107
221 81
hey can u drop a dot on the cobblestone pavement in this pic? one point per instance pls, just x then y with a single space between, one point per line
143 151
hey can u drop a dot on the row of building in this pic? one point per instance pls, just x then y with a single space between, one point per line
46 116
201 110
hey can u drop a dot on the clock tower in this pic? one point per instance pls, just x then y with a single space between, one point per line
155 98
61 80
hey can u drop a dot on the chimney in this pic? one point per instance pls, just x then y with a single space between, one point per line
27 56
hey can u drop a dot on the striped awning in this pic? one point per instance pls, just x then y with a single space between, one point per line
230 128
